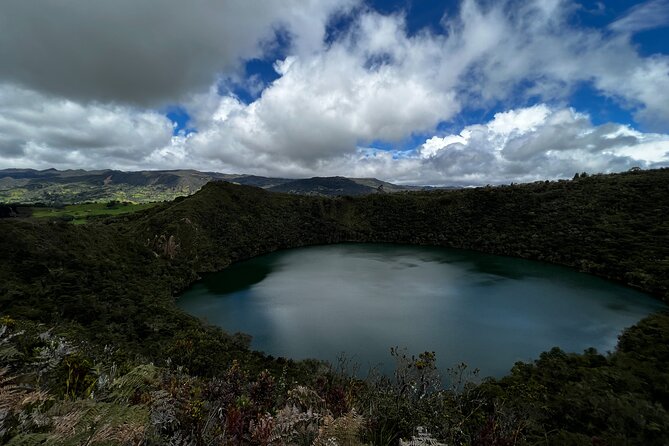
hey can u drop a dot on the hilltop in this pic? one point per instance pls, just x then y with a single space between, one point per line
53 186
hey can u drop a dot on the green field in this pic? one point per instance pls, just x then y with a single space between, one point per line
79 213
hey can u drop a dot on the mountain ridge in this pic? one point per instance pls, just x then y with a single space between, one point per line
52 186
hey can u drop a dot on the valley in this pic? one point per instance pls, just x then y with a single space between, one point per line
56 188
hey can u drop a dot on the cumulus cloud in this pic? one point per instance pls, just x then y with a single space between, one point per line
378 83
525 144
531 49
363 88
333 100
538 143
521 145
42 131
144 52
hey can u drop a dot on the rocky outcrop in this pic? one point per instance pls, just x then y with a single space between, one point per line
165 246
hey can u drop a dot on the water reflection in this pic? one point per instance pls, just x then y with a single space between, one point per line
362 299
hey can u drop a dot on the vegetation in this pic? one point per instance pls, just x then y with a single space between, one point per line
80 213
94 351
59 187
325 186
56 187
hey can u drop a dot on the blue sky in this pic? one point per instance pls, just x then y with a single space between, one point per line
423 92
421 16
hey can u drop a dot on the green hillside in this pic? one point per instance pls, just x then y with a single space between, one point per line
80 213
80 186
60 187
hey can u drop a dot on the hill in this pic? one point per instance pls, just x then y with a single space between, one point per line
80 186
390 187
324 186
108 287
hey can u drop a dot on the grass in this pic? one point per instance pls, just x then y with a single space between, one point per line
79 213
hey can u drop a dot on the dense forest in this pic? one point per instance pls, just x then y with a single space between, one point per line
95 351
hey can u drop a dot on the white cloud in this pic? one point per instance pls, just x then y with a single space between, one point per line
538 143
378 83
42 131
373 82
647 15
504 49
524 144
325 104
436 143
519 121
149 51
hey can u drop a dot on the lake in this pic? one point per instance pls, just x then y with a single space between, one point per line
362 299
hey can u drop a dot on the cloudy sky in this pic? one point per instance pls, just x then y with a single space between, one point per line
411 91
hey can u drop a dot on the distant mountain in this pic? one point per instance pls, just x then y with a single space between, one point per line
325 186
254 180
53 186
170 178
76 186
390 187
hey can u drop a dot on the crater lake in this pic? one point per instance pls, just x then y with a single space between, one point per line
362 299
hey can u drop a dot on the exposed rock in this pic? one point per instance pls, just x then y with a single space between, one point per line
166 246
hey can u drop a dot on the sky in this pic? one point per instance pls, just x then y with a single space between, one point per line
464 92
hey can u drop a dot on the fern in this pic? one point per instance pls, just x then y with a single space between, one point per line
305 398
30 440
86 422
8 352
341 431
292 426
65 425
53 352
10 396
14 400
163 412
106 377
10 393
140 380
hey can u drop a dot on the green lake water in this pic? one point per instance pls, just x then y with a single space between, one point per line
362 299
